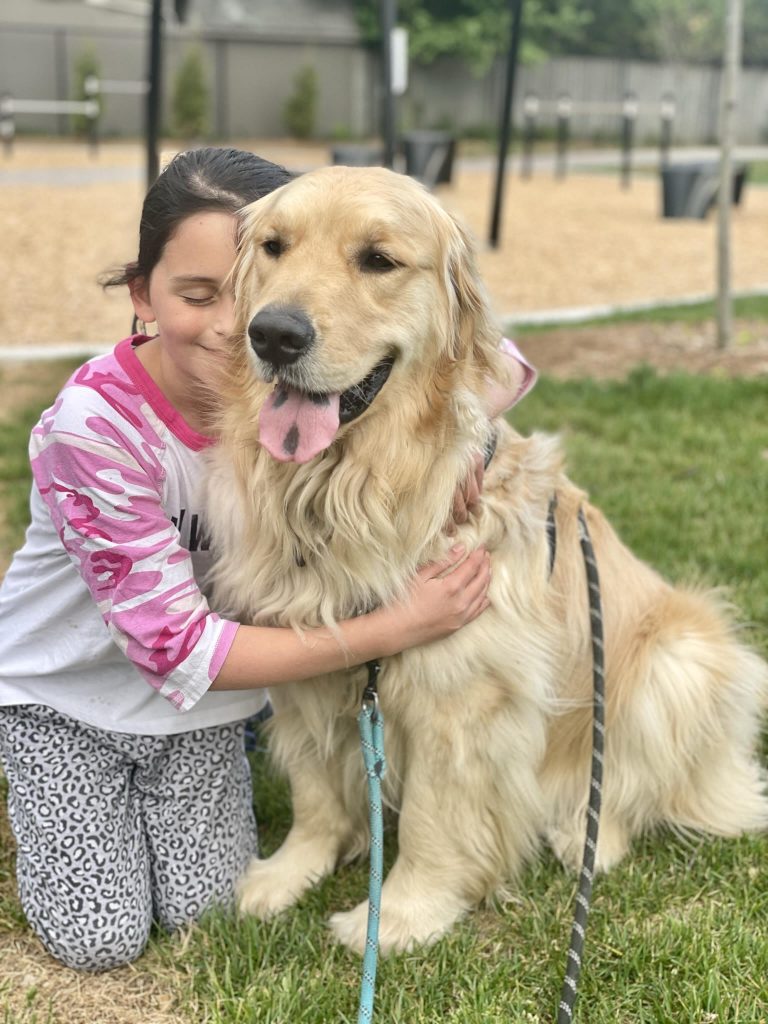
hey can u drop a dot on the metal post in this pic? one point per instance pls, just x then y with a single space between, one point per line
505 132
154 94
7 123
530 113
665 138
628 117
222 92
734 14
564 108
92 90
388 17
60 51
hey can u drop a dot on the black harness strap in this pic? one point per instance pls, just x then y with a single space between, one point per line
490 447
552 532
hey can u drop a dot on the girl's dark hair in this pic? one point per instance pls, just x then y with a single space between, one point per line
210 178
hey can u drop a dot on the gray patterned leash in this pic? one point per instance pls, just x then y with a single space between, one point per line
581 912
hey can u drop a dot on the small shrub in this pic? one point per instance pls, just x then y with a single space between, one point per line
301 106
189 109
86 65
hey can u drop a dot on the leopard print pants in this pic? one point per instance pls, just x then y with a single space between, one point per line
115 831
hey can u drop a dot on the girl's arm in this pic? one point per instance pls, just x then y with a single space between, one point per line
435 606
98 471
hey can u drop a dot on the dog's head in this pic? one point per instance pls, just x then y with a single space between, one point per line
355 290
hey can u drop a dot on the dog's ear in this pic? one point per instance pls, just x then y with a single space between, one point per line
243 271
476 335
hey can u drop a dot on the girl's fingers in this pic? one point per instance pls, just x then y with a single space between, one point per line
433 569
476 568
477 608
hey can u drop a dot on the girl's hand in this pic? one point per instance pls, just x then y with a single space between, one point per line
443 597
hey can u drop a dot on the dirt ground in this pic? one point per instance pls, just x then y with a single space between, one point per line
611 352
582 242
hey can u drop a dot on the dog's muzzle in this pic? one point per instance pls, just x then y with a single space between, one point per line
280 335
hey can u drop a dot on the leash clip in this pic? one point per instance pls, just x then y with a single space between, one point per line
371 693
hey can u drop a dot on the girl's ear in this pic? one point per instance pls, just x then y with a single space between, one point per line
139 292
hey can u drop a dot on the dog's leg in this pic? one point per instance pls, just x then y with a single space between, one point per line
310 852
469 818
322 832
567 840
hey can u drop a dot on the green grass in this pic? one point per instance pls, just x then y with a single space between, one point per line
679 463
27 390
748 307
679 931
758 172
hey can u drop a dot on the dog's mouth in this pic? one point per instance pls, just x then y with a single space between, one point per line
296 425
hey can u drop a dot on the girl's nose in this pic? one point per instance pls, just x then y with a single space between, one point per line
225 319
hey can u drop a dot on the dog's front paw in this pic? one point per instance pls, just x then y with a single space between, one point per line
266 890
351 927
400 927
271 885
568 844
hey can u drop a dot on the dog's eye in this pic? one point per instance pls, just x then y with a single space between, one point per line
272 247
375 262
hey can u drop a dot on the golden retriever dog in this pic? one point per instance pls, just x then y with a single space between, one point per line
354 406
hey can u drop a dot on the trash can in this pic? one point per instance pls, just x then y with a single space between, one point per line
690 190
355 155
429 156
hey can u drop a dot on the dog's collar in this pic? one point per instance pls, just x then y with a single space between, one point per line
355 400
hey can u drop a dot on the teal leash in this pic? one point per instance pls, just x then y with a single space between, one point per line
371 726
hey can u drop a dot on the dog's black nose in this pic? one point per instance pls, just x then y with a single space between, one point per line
280 335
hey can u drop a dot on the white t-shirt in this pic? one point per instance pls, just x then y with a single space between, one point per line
101 612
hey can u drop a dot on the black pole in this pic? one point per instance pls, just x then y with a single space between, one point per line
388 17
505 131
154 92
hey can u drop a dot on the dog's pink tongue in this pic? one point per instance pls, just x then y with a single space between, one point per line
294 426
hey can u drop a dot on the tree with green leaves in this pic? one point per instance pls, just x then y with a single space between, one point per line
478 30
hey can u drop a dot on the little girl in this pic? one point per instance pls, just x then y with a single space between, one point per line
123 696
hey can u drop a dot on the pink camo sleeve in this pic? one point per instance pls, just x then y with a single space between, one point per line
102 487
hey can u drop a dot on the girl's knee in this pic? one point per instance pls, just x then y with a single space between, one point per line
96 947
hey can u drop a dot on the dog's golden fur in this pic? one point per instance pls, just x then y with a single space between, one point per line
488 731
